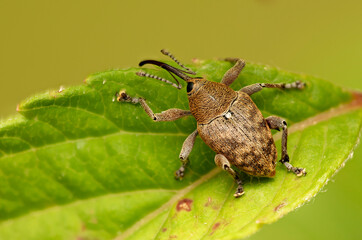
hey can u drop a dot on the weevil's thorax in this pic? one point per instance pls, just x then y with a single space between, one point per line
208 100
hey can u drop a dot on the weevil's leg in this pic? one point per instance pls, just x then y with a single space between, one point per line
233 73
185 152
222 162
168 115
279 123
251 89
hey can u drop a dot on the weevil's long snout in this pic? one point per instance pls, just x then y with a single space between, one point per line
178 72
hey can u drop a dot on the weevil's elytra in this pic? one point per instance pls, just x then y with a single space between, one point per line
228 121
242 138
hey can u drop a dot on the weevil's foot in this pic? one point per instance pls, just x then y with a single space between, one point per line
299 171
239 192
179 174
296 84
299 84
122 96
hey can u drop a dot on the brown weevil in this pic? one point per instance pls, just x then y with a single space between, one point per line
228 121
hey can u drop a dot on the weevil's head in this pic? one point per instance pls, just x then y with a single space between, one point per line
194 85
206 99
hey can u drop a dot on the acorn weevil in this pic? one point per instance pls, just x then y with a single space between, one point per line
228 121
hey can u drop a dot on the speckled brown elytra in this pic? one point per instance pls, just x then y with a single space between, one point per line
228 121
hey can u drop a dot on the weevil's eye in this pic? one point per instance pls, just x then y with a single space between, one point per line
190 85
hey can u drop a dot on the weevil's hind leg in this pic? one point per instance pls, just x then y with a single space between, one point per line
222 162
184 154
251 89
233 73
279 123
168 115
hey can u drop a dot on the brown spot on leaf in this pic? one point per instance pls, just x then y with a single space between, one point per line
172 236
357 99
216 226
211 204
216 207
164 229
281 205
184 204
208 203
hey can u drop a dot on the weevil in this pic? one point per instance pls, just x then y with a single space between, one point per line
228 121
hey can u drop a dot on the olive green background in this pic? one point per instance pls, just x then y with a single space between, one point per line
46 44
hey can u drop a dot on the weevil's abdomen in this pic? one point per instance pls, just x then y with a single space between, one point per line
243 137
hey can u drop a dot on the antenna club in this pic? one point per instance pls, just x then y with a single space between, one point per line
164 51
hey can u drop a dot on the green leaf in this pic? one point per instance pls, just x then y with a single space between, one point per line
78 164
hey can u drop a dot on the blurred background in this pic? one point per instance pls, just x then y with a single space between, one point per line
48 44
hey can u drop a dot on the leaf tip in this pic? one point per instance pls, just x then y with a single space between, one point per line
357 99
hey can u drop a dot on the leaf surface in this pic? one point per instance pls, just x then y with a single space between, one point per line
78 164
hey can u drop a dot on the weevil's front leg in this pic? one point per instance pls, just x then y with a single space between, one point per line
185 152
222 162
251 89
233 73
168 115
279 123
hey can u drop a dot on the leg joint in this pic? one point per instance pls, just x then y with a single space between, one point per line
284 125
285 159
225 167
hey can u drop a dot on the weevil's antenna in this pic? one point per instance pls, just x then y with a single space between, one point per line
167 53
143 74
178 72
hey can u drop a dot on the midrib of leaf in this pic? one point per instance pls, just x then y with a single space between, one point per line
355 104
343 109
